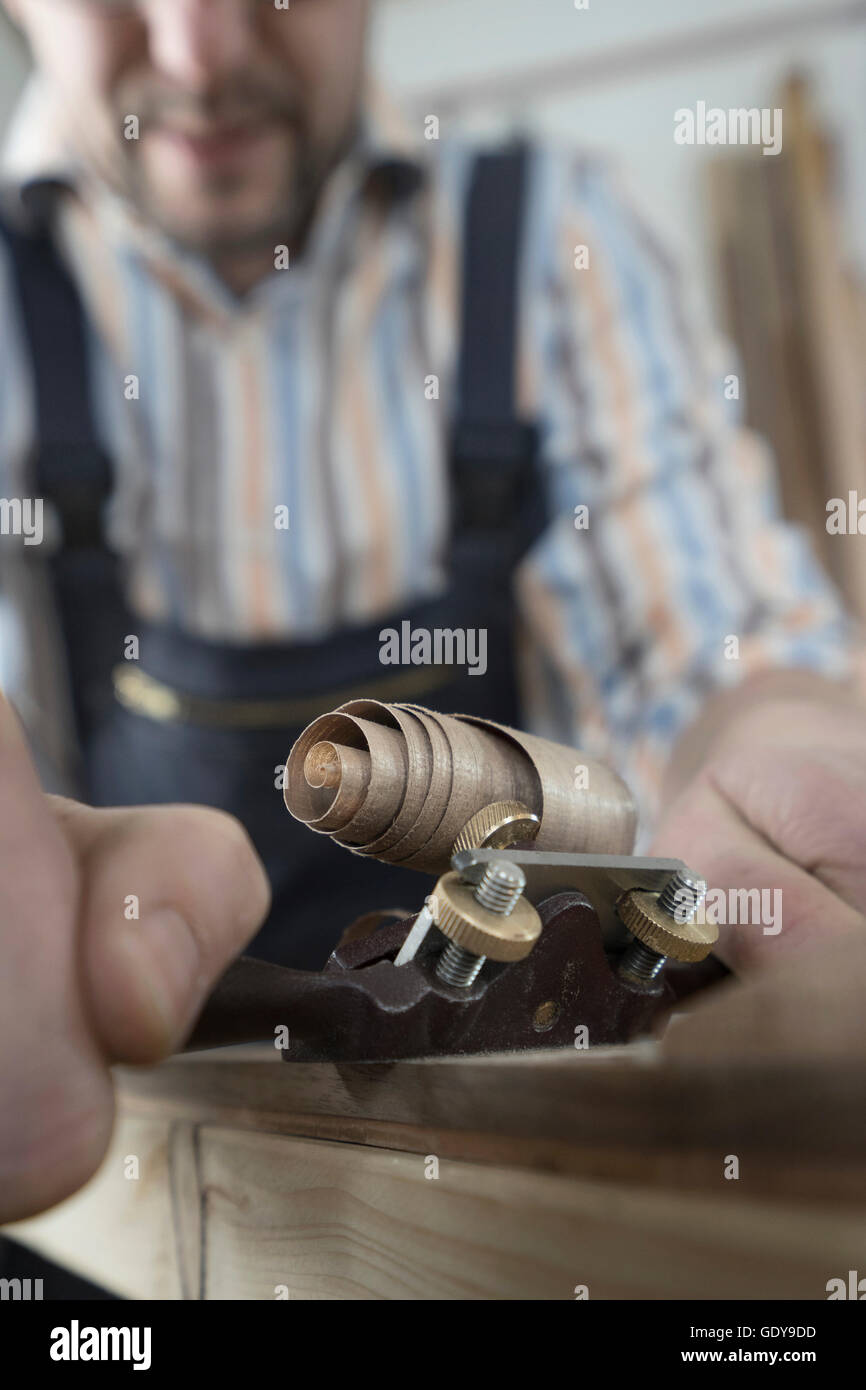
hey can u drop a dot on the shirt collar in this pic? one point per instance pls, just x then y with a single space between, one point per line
387 145
35 160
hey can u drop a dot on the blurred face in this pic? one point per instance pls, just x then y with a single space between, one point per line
242 107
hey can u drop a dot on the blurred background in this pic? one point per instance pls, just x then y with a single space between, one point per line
775 248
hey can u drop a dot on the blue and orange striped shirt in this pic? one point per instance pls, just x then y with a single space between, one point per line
313 394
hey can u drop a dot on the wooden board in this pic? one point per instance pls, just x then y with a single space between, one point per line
610 1168
226 1213
793 305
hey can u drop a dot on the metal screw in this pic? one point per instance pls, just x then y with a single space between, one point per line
640 963
681 895
545 1016
499 825
499 890
679 900
457 966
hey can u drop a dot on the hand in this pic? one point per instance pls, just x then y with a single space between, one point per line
84 983
779 805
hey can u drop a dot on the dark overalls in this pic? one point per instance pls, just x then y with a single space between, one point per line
235 712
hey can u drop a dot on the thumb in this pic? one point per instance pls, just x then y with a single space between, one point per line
171 895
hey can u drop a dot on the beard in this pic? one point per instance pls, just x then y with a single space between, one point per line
288 212
226 213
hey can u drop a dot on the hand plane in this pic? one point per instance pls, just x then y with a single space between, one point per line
533 935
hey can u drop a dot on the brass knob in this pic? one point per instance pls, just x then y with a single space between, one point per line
487 931
660 931
498 826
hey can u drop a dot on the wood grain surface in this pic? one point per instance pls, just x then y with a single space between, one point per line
607 1169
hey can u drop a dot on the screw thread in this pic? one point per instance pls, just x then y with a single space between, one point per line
640 962
458 966
500 887
681 896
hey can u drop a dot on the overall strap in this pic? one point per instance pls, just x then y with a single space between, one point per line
71 472
71 469
493 451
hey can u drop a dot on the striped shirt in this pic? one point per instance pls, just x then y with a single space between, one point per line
327 391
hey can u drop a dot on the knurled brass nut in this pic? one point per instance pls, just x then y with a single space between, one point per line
476 929
684 941
498 826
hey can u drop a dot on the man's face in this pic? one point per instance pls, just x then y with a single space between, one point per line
242 107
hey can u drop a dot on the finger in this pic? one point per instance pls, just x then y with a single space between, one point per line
56 1102
811 1008
767 906
814 814
798 774
171 895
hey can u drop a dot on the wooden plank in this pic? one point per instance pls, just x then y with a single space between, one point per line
610 1167
283 1217
629 1116
117 1231
792 304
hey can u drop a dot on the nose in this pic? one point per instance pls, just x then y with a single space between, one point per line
195 42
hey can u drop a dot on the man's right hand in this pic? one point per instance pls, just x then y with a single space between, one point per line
114 927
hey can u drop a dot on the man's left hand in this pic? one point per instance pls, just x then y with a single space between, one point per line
779 806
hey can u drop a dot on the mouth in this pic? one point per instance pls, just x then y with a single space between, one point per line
216 145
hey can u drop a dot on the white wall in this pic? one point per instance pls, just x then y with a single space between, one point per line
12 70
423 46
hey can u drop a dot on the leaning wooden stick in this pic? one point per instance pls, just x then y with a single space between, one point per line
398 783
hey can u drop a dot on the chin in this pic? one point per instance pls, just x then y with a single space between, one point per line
216 225
232 202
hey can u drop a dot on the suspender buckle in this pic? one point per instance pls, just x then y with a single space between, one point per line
493 467
77 478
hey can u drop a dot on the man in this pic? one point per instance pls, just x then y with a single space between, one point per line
292 383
